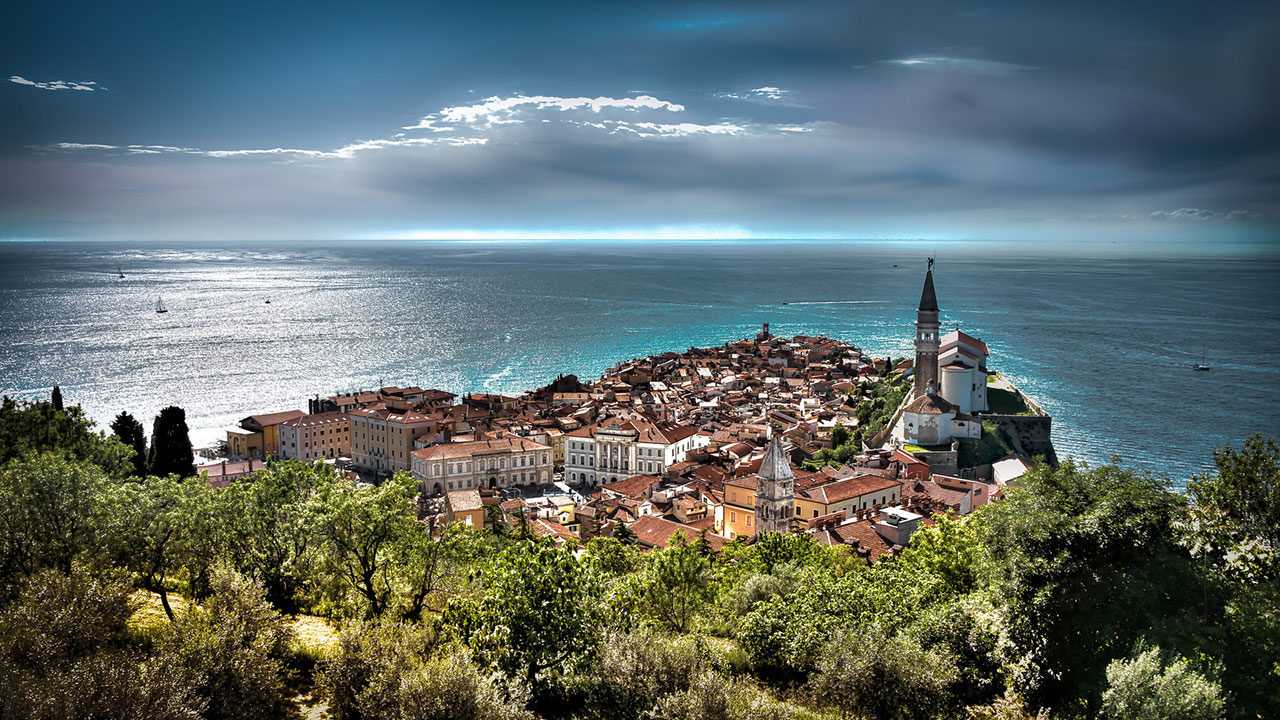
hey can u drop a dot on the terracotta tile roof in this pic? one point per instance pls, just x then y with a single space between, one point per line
930 405
856 486
326 418
448 451
463 500
275 418
654 531
634 487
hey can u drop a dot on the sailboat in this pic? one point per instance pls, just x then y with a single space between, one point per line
160 308
1201 366
120 271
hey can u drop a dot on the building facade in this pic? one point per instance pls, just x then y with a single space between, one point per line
616 449
382 440
322 436
501 463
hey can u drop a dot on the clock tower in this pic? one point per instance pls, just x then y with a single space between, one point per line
926 367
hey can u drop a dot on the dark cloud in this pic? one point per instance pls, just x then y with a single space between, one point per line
809 116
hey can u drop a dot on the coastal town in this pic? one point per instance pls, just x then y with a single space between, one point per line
805 434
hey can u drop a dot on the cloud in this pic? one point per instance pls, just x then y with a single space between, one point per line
80 85
959 64
503 111
1200 214
761 94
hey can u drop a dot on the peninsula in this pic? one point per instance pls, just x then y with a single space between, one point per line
807 434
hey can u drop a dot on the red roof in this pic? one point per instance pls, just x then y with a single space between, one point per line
654 531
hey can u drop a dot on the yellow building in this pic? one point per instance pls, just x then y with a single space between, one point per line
862 492
464 506
382 439
740 507
259 435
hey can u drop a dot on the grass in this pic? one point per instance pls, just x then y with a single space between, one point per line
314 637
1004 402
987 449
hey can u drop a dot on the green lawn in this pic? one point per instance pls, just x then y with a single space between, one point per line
1004 402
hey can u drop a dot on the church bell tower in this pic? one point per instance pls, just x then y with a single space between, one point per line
926 367
775 490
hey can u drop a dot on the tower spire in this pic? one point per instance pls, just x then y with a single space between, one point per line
926 366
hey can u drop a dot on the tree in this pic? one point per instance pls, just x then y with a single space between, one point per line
361 529
266 528
129 431
623 533
56 398
839 435
429 566
536 617
171 452
880 675
677 584
64 654
36 427
154 529
232 650
47 503
1242 500
1141 688
1083 560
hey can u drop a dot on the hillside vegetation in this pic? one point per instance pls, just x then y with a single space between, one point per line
1087 592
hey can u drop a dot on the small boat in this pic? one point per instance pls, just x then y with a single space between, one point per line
1201 366
786 303
160 308
268 301
121 272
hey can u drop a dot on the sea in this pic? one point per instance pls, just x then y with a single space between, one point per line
1102 335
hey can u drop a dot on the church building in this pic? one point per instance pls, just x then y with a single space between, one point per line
950 379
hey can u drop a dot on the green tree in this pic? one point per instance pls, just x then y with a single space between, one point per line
880 675
27 428
47 504
232 650
1142 688
839 435
1082 560
171 452
677 584
154 530
362 529
623 533
64 654
430 567
536 617
1240 504
56 398
130 432
267 528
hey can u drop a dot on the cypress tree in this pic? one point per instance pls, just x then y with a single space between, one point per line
131 433
171 451
56 399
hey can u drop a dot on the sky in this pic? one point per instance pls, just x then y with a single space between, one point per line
904 119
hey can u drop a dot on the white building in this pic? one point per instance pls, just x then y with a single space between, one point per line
615 449
962 364
931 420
499 463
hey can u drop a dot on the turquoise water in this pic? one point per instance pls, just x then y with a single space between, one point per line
1102 336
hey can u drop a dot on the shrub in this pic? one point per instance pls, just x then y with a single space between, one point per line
1141 688
233 650
878 675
